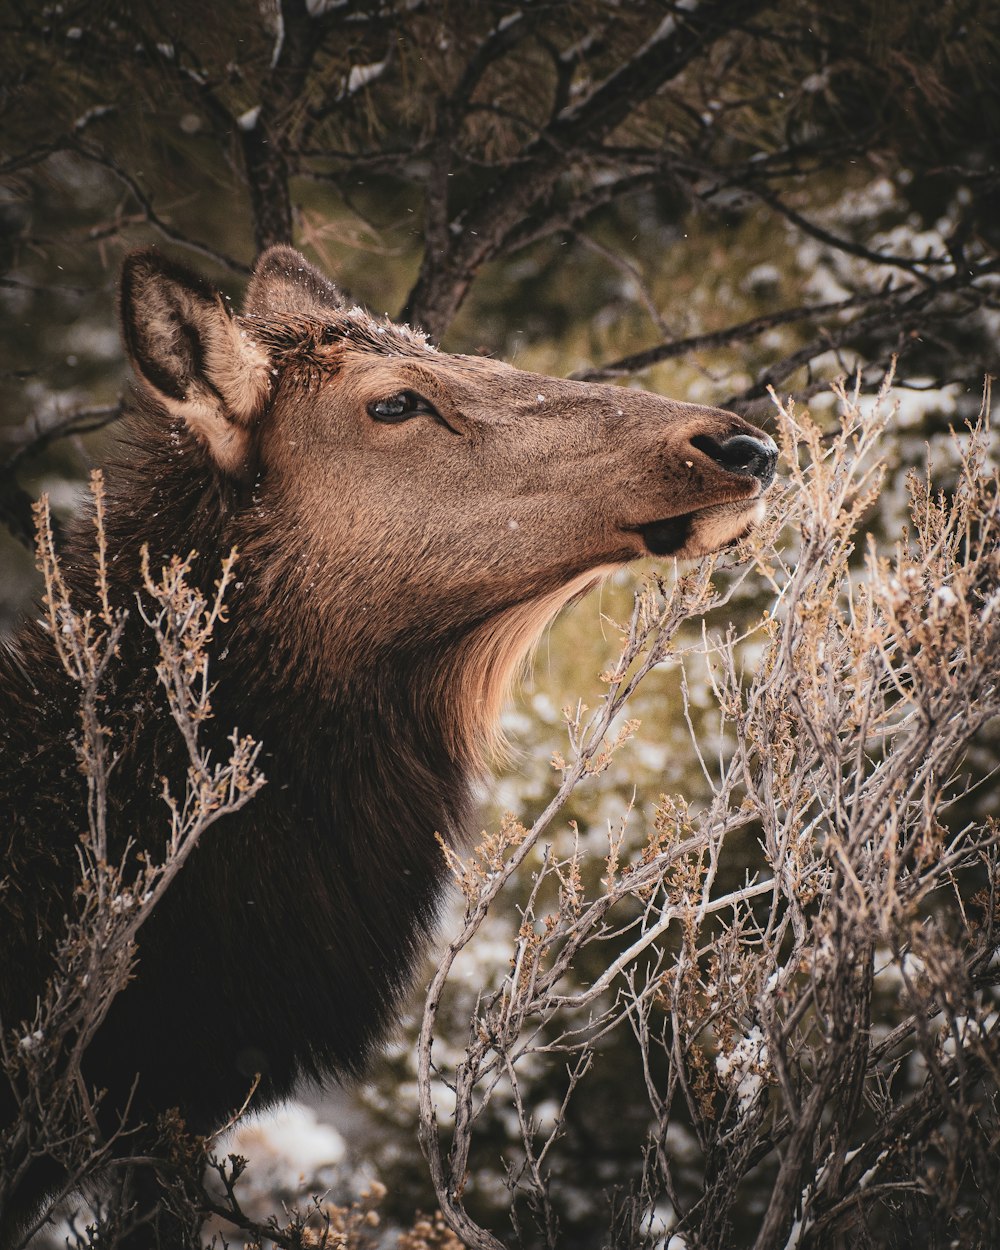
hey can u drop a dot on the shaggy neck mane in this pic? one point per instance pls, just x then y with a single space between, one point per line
437 702
478 683
438 695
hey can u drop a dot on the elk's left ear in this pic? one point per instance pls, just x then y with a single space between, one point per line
192 357
284 283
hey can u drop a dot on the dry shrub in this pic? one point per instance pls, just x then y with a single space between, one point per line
824 1024
116 890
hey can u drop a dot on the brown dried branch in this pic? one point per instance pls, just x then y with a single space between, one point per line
117 892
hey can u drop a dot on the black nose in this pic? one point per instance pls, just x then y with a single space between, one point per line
743 454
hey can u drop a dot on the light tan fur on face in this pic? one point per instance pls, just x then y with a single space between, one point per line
721 526
433 531
441 545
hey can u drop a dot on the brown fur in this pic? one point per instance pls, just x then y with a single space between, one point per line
392 578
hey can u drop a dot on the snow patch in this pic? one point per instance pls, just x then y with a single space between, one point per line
361 75
289 1150
965 1029
744 1069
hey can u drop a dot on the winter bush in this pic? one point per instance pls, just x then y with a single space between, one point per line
798 971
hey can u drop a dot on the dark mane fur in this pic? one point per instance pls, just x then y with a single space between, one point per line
354 783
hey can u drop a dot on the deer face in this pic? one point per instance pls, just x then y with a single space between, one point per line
419 495
497 484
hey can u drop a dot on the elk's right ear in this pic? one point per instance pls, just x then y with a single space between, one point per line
192 357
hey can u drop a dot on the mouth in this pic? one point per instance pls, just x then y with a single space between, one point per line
663 538
702 531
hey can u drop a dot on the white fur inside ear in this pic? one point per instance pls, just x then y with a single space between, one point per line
222 401
226 441
198 362
238 368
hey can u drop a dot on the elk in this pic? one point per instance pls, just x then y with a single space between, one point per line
408 522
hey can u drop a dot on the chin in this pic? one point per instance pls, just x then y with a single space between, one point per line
721 526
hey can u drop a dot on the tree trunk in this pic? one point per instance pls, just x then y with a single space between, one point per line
267 176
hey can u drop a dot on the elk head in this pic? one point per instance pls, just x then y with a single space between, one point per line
402 501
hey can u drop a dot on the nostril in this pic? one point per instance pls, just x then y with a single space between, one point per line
743 454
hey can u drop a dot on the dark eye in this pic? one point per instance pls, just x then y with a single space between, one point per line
401 407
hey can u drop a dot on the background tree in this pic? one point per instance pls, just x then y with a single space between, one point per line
708 198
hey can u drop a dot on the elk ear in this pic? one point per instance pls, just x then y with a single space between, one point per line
192 357
284 282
